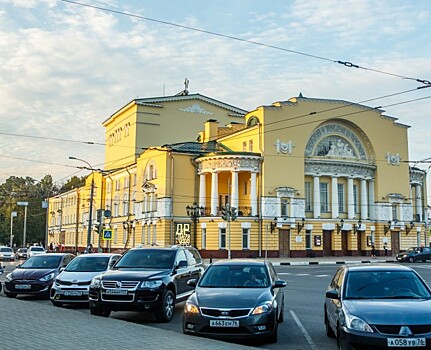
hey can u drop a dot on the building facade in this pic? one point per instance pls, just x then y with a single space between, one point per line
306 176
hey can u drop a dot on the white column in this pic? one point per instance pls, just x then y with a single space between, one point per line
419 202
334 197
291 207
234 194
316 197
214 193
253 193
202 190
364 200
350 199
371 199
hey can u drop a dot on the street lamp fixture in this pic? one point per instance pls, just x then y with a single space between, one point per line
387 228
357 227
340 226
408 229
300 225
90 215
195 212
12 215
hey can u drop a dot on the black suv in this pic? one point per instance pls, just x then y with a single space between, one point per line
147 279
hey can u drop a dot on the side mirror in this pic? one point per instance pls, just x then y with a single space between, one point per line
280 284
332 294
182 264
191 283
62 269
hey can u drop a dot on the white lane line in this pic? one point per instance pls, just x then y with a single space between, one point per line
322 276
303 330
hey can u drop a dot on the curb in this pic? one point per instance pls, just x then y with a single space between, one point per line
303 263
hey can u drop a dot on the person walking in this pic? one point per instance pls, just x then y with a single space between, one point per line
373 252
385 247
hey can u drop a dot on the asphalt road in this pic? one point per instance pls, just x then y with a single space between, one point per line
303 327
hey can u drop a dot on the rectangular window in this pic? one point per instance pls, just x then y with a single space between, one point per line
245 187
308 239
135 179
284 207
394 212
222 238
250 145
244 146
324 205
204 237
308 196
245 238
117 185
341 206
356 198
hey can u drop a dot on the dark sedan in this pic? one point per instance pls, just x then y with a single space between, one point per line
236 299
415 254
21 253
36 275
378 307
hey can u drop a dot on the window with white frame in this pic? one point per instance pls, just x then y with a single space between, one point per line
222 238
284 207
394 211
308 239
116 206
245 238
244 146
204 237
117 185
250 145
324 202
341 203
126 181
125 205
307 196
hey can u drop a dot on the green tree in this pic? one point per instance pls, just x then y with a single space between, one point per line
73 182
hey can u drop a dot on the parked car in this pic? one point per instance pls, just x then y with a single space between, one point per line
7 254
146 279
72 285
35 250
36 275
21 253
236 299
378 306
415 254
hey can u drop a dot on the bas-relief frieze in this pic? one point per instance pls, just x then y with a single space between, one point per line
285 192
195 108
298 207
269 207
164 207
138 210
406 212
315 167
383 211
229 163
330 129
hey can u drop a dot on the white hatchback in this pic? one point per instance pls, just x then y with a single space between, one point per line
35 250
73 283
7 254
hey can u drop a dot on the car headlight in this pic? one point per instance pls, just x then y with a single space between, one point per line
357 324
47 277
191 308
96 282
151 284
9 277
265 307
405 256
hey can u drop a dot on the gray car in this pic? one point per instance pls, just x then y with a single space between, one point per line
378 306
72 284
7 254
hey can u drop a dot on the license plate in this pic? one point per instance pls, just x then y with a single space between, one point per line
116 291
22 286
72 293
224 323
406 342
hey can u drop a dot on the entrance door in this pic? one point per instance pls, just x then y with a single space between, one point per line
359 241
344 234
327 243
284 242
395 242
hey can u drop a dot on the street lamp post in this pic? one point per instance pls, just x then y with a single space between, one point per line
90 215
195 212
24 234
12 215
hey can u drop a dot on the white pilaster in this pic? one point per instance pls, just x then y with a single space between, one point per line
214 193
334 199
350 199
202 190
316 198
253 193
419 202
364 200
234 195
371 199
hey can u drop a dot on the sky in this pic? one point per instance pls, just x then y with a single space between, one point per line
65 68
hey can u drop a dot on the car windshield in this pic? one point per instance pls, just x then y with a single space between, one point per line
385 285
88 264
6 250
22 250
147 259
45 261
36 249
235 276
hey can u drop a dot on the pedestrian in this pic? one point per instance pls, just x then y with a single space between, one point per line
90 249
385 247
373 252
51 246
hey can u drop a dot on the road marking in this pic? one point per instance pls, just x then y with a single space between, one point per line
322 276
303 330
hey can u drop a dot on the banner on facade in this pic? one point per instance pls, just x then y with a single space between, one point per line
182 233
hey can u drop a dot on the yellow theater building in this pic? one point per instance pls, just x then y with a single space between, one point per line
302 177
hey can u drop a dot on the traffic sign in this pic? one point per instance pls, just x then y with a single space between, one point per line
107 234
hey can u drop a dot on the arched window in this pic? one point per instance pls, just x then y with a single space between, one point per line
252 121
151 171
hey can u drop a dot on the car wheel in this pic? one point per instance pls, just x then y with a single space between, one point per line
329 331
411 259
10 295
99 310
281 317
341 343
273 338
166 310
56 303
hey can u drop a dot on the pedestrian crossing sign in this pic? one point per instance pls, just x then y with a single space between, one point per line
107 234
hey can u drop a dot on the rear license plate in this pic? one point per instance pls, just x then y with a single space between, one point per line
22 286
406 342
116 291
72 293
224 323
